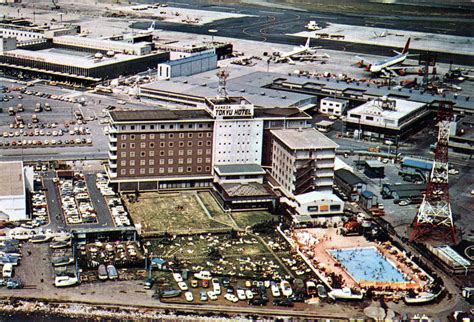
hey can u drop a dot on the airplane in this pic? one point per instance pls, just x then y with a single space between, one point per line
312 25
382 34
388 66
301 52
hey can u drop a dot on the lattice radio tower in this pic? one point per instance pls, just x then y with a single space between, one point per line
434 218
223 75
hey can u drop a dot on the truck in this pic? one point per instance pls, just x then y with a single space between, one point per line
7 271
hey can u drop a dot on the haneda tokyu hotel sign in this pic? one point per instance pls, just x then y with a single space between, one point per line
233 110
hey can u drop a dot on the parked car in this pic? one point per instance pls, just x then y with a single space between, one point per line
212 295
183 286
286 288
241 294
216 286
283 302
203 296
203 275
188 296
231 297
258 301
177 277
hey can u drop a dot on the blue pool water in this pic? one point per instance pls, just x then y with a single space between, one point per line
367 264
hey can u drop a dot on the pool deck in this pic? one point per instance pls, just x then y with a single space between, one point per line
329 239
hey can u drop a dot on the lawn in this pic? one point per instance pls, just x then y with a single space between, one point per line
173 213
214 209
250 218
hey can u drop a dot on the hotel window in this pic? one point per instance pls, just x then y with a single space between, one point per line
152 127
162 144
152 136
181 126
151 162
162 135
180 161
132 163
142 162
151 170
209 134
181 152
181 135
199 151
162 170
208 160
123 172
152 145
199 160
200 126
200 135
190 143
132 154
142 171
151 153
170 161
162 127
199 169
170 170
208 143
190 126
123 146
132 145
190 135
170 144
132 128
142 154
180 169
162 161
142 145
171 126
143 136
189 160
189 152
162 153
170 153
132 171
123 163
123 136
171 135
208 151
208 168
181 143
189 169
199 143
123 154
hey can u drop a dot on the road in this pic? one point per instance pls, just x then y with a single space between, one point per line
56 216
98 201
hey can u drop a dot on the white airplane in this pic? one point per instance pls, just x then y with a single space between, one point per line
388 66
152 27
300 52
312 25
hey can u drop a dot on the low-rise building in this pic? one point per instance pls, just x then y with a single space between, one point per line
194 64
386 118
349 184
316 206
12 191
333 106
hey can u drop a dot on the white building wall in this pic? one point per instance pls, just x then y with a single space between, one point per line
14 207
238 141
329 106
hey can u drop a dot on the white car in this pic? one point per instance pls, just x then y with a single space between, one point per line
177 277
188 296
275 290
286 288
216 286
453 171
241 294
203 275
212 295
182 286
249 294
231 297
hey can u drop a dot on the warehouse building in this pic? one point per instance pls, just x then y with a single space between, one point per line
188 66
349 184
13 191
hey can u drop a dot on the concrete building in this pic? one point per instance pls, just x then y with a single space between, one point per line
303 161
13 191
24 31
188 66
78 59
179 149
316 206
333 106
386 118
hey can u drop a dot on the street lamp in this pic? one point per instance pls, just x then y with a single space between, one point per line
213 31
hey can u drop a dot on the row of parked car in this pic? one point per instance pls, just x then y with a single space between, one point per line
75 199
53 142
117 210
39 210
255 292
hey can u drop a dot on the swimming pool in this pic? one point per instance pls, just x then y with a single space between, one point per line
367 264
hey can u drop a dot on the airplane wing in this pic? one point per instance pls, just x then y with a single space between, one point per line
365 60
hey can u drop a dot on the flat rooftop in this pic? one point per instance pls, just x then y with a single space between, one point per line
402 108
300 139
250 86
160 115
234 169
227 100
70 57
11 179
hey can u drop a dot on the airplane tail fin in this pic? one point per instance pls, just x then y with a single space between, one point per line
407 47
307 42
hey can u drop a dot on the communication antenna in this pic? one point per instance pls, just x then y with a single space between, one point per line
222 74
